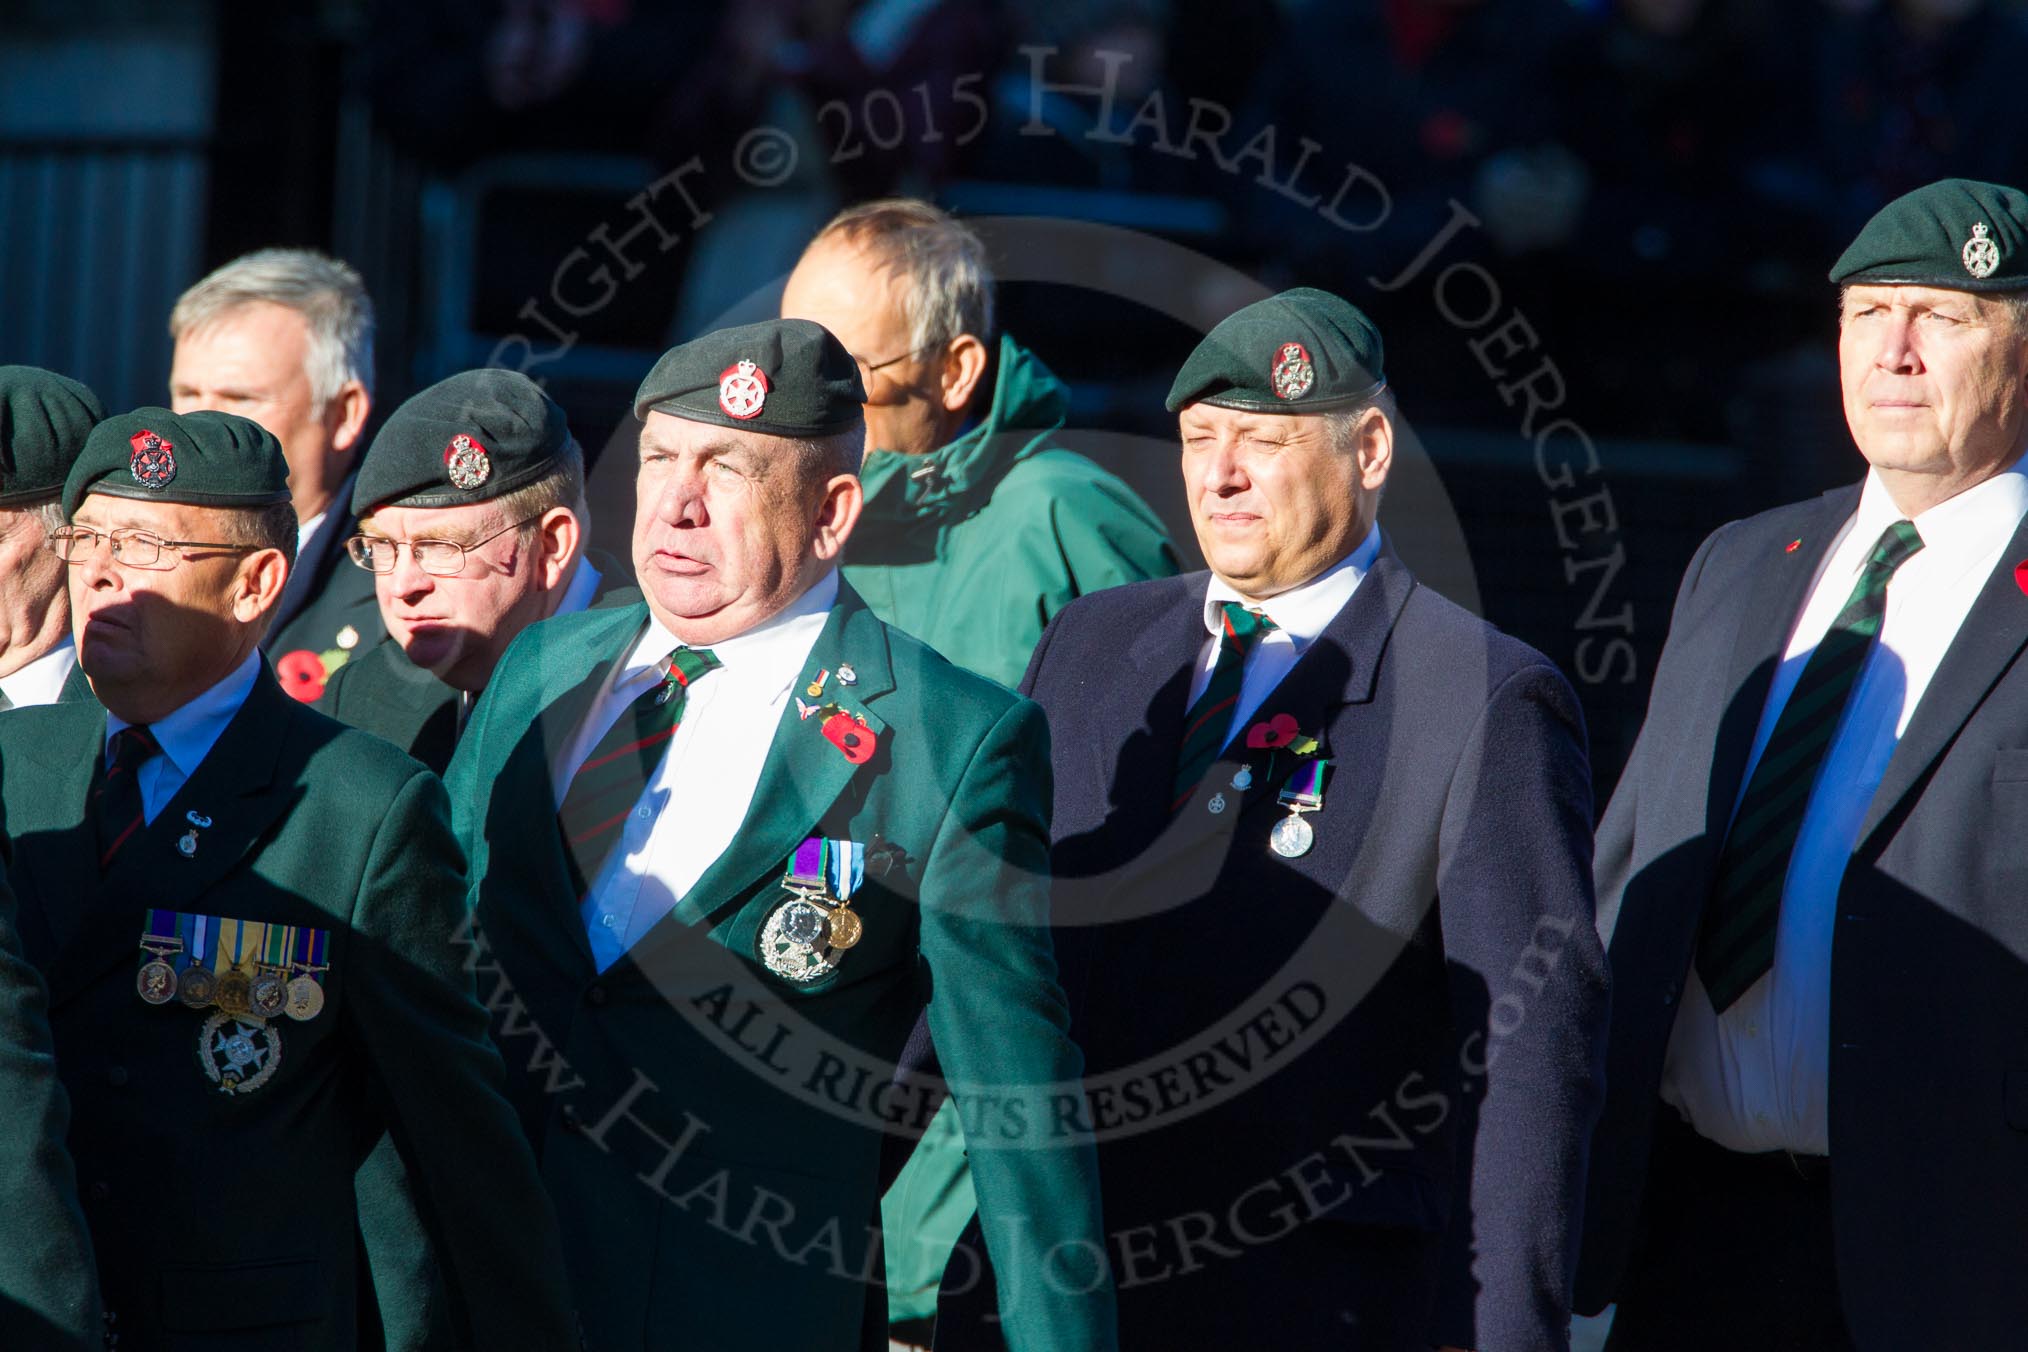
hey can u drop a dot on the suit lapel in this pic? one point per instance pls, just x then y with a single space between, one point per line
805 773
233 788
1987 643
1766 622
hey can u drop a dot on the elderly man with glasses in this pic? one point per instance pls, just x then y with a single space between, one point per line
249 918
472 522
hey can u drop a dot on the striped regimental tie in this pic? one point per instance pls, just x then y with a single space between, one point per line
116 806
1206 724
1736 943
613 776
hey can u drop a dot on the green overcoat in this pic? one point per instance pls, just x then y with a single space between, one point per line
228 1219
49 1295
712 1134
974 547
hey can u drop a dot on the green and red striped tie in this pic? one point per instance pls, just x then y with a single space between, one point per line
117 809
1736 942
613 777
1210 718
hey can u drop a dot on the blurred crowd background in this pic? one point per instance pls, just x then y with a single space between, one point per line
1658 186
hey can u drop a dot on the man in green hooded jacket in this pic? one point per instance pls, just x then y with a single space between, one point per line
972 538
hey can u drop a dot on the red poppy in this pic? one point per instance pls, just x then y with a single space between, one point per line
302 674
850 736
2021 575
1274 732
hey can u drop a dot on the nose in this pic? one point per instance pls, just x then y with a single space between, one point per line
1897 347
681 501
1222 472
96 569
408 578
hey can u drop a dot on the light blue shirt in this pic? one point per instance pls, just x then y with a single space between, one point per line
186 736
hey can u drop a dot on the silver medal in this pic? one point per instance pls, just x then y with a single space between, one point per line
794 941
1292 836
1216 805
1244 779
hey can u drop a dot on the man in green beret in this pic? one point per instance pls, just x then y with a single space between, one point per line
472 521
1321 853
285 337
1809 875
248 917
49 1293
44 419
978 528
725 844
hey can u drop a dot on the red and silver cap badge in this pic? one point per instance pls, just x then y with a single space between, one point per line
153 463
743 390
1293 375
467 462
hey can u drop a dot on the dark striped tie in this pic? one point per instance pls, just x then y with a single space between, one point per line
1736 943
1205 725
612 778
117 809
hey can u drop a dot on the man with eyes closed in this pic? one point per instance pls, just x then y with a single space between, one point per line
1811 875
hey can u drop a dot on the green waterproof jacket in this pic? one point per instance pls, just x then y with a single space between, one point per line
974 547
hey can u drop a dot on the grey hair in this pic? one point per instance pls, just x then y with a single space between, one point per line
327 293
949 284
562 486
840 453
1343 423
50 513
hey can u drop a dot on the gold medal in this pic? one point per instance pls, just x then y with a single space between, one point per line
845 928
197 987
156 982
306 999
234 994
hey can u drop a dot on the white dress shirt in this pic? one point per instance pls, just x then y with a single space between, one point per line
41 681
186 736
1300 615
698 796
1756 1077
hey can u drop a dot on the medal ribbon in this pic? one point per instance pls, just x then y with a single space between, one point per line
1305 786
808 866
161 932
848 868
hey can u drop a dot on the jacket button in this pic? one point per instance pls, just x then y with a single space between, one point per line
570 1119
117 1077
101 1191
1668 995
597 995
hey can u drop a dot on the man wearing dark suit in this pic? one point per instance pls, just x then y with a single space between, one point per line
285 337
668 809
44 420
49 1297
472 523
1321 838
246 914
1811 876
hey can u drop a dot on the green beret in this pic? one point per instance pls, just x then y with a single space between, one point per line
205 459
1304 351
44 420
1957 234
475 437
784 377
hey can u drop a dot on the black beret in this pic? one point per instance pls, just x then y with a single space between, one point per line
1957 234
784 377
474 437
44 420
205 459
1303 351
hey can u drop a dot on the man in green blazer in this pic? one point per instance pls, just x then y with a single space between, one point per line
49 1297
472 523
725 844
247 914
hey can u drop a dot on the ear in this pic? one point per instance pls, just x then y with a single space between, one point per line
837 514
257 586
1373 445
558 538
346 415
964 367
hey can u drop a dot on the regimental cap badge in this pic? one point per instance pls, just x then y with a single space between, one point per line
742 389
1294 375
1981 254
153 463
467 462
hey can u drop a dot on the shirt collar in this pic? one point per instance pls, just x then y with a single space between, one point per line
1301 612
768 656
1957 531
41 681
187 735
584 585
